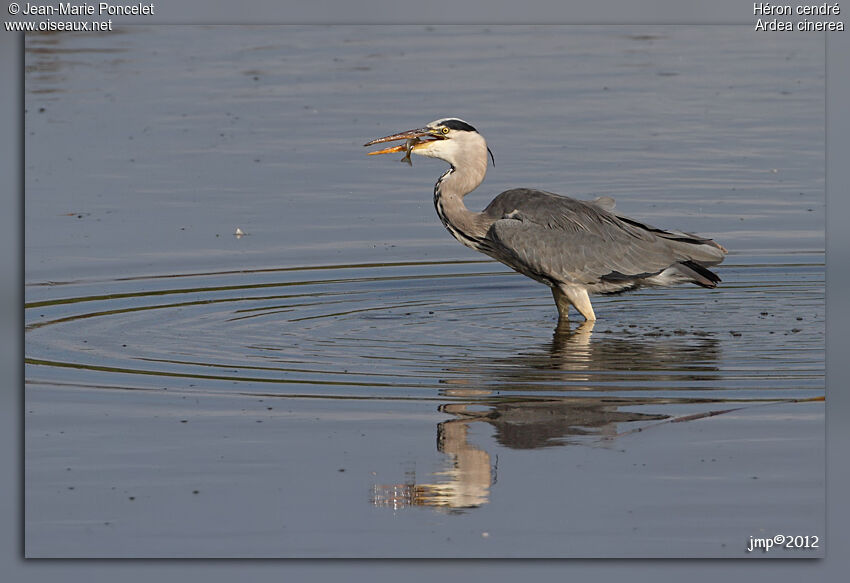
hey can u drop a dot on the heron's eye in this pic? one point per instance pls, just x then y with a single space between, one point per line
444 130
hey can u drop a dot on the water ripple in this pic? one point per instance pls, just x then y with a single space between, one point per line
418 330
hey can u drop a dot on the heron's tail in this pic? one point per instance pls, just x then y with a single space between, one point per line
684 272
698 274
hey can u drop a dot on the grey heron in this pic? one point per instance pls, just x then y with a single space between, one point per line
576 247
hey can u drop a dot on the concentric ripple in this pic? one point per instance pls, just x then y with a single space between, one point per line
430 330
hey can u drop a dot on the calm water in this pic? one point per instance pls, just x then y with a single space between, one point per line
346 379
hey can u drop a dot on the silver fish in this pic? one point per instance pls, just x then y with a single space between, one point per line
408 148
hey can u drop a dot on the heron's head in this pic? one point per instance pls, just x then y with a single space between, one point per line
450 139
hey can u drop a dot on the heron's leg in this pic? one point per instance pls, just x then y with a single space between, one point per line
582 333
578 297
563 305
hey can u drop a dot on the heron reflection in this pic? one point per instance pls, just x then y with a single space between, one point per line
517 398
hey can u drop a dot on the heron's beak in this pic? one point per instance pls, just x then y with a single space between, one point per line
390 150
417 134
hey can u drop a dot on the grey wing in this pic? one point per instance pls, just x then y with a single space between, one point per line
552 237
604 259
552 210
685 246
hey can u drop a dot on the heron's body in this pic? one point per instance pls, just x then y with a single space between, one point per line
575 247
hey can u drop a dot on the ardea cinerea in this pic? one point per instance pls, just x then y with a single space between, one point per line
575 247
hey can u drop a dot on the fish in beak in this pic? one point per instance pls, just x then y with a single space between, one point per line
413 139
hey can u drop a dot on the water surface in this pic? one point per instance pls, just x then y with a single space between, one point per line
346 379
